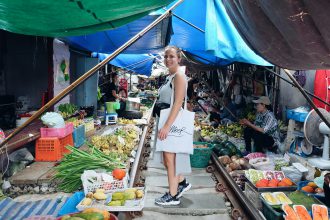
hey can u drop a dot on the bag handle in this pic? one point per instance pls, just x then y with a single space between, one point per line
172 96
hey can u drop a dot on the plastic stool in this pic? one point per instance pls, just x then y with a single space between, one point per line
111 118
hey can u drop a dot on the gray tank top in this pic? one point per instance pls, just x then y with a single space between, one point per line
165 91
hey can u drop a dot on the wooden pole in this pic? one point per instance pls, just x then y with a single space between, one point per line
88 74
307 97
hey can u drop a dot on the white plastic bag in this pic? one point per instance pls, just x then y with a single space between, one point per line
53 120
292 173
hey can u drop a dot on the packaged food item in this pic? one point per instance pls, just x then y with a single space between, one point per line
279 175
270 198
282 198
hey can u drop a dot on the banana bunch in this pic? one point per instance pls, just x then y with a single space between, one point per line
125 121
233 130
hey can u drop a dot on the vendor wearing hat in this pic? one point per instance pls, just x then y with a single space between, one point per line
264 131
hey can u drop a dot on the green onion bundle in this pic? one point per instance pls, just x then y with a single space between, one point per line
74 164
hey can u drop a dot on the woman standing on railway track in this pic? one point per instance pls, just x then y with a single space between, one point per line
176 164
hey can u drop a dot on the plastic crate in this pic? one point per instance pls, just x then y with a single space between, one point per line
297 116
78 135
269 212
52 148
201 156
107 186
57 132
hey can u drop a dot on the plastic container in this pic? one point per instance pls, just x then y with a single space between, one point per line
201 156
70 205
107 186
52 148
57 132
301 184
269 212
89 124
111 107
297 116
129 206
78 135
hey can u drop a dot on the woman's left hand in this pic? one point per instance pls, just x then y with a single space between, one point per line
163 132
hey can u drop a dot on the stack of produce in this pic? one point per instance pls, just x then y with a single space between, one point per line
67 109
125 121
299 212
73 165
120 198
232 130
276 198
274 183
233 163
312 188
76 122
88 214
226 148
122 141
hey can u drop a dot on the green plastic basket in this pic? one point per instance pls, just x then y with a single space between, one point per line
269 212
201 156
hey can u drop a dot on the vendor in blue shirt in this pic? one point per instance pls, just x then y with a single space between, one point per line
230 107
226 114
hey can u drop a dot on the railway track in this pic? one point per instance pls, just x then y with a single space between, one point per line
241 207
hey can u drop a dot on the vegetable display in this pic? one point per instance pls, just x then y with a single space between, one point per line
122 141
73 165
67 109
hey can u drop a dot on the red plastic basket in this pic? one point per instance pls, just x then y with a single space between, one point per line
52 148
57 132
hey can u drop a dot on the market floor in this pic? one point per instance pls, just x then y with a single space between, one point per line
202 201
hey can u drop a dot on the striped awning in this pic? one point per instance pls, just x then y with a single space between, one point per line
11 210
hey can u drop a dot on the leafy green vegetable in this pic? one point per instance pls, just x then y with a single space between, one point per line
67 108
74 164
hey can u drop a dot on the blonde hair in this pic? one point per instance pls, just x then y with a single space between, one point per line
177 50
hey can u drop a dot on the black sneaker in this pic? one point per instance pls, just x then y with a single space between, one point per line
167 199
184 186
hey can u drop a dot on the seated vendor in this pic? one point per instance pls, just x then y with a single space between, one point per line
264 131
111 91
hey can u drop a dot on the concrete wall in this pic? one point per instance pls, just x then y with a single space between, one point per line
25 67
291 97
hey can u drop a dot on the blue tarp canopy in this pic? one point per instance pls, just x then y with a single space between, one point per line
221 39
138 63
108 41
220 45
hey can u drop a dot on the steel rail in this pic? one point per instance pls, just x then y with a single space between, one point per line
247 206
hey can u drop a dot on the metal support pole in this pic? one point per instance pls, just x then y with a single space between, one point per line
89 73
307 97
184 20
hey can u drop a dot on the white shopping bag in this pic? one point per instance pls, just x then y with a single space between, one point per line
180 136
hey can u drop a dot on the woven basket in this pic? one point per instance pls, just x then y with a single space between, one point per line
201 156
